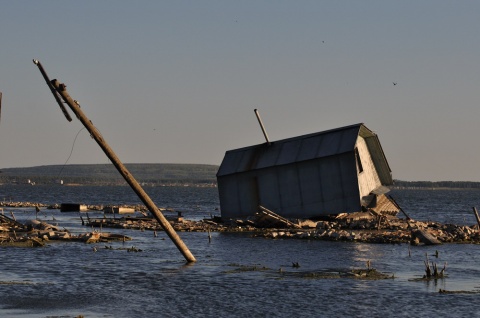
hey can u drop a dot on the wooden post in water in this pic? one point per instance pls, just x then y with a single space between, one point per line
398 207
476 216
74 106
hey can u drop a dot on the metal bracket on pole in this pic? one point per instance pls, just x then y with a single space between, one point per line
55 94
61 90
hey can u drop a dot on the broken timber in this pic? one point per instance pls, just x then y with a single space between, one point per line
398 206
267 218
476 216
75 107
425 237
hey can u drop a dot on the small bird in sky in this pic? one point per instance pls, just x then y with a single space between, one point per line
394 83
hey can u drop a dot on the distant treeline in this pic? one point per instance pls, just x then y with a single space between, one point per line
437 184
106 174
157 174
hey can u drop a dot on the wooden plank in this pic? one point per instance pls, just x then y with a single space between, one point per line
476 216
425 237
269 218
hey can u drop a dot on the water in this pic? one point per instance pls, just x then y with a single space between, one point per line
69 279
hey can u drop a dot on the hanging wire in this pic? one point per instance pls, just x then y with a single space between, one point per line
71 151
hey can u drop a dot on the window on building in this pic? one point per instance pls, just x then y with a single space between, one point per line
359 161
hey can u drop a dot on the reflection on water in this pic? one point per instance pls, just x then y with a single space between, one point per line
70 279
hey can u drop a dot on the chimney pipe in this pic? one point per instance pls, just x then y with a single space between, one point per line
261 125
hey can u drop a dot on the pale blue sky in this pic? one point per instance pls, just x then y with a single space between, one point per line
177 81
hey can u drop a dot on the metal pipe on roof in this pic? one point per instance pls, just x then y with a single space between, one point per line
261 125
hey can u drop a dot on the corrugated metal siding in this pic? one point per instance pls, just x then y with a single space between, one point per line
289 186
310 189
268 188
311 186
248 193
230 201
238 194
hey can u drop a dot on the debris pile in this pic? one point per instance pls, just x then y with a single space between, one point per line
361 227
34 233
150 224
369 227
366 227
13 204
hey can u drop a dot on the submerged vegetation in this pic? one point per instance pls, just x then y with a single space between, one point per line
359 273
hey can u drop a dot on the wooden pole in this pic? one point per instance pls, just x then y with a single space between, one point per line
55 94
398 207
74 106
476 216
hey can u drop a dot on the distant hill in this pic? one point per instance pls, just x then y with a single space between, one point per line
154 173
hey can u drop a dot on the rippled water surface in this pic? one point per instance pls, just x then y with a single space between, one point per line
235 275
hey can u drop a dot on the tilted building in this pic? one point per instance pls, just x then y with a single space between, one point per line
310 176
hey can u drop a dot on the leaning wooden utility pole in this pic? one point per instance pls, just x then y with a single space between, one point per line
75 107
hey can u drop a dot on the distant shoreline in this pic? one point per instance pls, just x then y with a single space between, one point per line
432 188
105 174
160 174
400 184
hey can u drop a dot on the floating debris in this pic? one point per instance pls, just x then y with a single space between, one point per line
366 274
35 233
246 268
367 227
361 273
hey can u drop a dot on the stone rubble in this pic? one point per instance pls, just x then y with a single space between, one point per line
368 227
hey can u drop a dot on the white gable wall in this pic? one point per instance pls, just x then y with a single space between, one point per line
368 179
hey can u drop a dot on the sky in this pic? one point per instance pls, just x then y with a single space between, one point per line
178 81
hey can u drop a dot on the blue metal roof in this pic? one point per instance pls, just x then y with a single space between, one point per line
297 149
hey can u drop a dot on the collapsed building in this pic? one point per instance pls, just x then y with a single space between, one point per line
342 170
